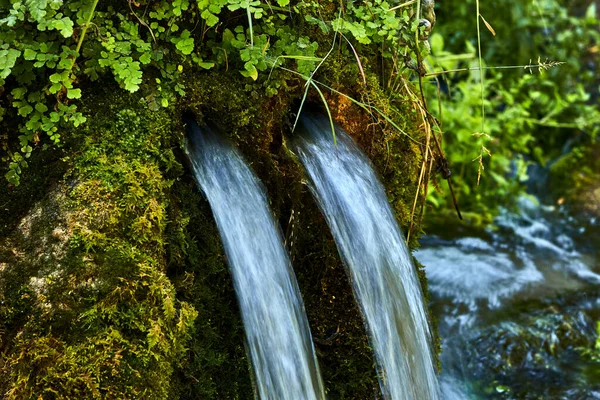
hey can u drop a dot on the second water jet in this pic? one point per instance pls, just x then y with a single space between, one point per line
371 245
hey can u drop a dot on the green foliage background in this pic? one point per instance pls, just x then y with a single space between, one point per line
533 114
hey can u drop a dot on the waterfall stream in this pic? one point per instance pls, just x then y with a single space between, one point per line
279 342
373 249
518 304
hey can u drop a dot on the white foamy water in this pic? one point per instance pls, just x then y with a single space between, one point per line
470 274
525 255
373 249
279 342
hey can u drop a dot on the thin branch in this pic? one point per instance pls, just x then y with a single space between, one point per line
142 22
541 66
82 37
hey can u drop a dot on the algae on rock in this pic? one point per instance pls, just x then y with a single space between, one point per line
575 179
115 283
87 309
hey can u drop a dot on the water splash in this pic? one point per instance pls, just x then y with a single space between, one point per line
529 254
525 290
279 341
373 249
472 270
534 231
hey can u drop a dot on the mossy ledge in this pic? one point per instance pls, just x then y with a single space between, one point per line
574 180
115 285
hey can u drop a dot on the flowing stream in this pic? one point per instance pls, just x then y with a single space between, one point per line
279 342
372 247
518 305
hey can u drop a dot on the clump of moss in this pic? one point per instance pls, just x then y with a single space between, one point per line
95 315
215 365
575 177
137 300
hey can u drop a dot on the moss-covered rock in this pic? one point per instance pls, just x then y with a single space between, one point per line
539 354
115 283
87 309
575 179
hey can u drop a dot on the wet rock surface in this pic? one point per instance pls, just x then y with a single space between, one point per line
518 306
538 355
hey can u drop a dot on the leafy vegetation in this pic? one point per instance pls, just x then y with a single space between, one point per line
51 49
535 111
131 280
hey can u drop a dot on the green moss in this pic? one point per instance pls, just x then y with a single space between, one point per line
140 300
94 315
574 179
215 365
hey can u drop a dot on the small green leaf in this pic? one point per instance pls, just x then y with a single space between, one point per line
19 93
25 110
65 26
54 117
74 93
12 176
128 73
8 58
55 88
206 64
185 45
145 58
29 54
41 107
55 78
78 119
228 36
211 19
251 72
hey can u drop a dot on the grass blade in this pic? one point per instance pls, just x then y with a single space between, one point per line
328 112
487 25
308 80
362 71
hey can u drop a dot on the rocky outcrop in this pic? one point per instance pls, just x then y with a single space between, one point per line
575 180
548 353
